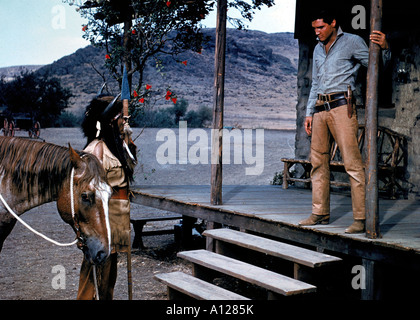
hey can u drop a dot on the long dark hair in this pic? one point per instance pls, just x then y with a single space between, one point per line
109 131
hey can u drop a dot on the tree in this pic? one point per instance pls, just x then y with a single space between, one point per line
42 97
135 31
53 100
199 118
179 110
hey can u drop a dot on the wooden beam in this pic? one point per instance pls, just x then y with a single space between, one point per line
372 205
219 80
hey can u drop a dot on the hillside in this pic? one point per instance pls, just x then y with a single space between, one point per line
260 83
8 73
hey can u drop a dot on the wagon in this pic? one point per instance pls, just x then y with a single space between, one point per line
21 122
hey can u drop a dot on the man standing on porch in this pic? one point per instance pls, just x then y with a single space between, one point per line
330 111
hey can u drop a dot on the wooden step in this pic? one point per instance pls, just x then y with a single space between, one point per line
269 280
194 287
302 256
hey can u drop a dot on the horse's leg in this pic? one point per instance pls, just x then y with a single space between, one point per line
7 222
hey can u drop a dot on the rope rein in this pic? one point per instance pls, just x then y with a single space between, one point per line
37 232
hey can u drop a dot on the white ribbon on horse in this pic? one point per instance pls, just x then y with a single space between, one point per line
37 232
32 229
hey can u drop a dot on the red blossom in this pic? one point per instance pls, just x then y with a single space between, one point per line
107 56
133 31
141 100
169 96
135 94
168 3
184 62
148 87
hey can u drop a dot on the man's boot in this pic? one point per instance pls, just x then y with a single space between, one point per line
315 219
358 226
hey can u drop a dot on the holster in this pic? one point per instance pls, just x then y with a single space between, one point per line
349 102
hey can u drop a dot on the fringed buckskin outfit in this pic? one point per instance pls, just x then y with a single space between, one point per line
119 218
108 134
119 204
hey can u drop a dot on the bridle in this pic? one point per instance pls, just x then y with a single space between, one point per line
81 242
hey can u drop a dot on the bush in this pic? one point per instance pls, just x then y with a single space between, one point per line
170 117
277 179
200 118
67 120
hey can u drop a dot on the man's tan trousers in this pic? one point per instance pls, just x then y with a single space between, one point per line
344 131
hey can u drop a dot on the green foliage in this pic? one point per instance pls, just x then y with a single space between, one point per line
67 120
134 31
41 97
277 179
197 119
179 110
170 117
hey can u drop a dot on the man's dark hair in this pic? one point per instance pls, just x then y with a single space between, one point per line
327 15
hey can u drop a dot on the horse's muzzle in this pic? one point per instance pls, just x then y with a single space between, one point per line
95 252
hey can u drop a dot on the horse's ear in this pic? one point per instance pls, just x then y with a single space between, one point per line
74 157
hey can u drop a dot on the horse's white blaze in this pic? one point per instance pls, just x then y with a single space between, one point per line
103 192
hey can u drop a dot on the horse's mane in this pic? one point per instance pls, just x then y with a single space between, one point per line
39 168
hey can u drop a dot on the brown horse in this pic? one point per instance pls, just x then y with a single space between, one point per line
33 173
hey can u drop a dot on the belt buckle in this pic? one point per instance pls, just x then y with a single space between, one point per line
327 106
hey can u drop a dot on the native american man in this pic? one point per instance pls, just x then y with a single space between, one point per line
108 137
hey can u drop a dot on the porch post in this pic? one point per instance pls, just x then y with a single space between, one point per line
219 82
372 206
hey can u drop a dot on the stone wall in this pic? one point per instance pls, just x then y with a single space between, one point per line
406 96
302 145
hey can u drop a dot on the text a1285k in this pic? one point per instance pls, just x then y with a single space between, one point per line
214 309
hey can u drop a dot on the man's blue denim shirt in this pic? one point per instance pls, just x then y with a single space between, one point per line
335 70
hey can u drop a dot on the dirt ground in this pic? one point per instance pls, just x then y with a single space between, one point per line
30 266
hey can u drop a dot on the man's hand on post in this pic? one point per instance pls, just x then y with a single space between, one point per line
379 38
308 125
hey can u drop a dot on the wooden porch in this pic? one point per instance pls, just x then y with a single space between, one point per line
274 212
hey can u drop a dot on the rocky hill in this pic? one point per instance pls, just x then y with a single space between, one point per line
260 83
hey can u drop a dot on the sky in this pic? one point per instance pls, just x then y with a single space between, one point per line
37 32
